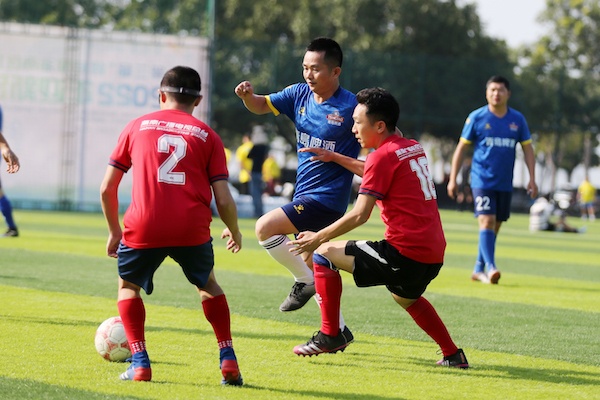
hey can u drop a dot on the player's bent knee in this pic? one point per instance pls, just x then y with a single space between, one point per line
262 228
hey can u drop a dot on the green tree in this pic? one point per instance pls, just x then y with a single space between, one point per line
433 55
561 73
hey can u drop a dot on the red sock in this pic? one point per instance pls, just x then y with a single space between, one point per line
216 311
328 284
133 315
428 319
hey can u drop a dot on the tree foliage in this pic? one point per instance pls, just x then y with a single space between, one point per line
562 73
432 54
417 49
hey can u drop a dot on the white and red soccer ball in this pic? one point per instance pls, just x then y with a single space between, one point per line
111 342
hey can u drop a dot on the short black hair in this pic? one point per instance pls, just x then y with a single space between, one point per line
182 77
381 106
333 52
498 79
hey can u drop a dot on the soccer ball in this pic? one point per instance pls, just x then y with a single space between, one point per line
111 342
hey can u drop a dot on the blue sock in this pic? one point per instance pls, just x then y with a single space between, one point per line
140 359
6 209
227 353
479 264
487 247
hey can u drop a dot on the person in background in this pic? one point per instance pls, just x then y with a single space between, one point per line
241 154
258 153
396 178
176 160
494 131
586 196
464 197
540 213
12 166
271 175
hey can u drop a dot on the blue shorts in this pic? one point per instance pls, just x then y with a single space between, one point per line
139 265
309 215
492 202
380 263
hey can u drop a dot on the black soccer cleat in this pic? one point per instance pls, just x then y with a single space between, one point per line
322 343
456 360
298 297
11 233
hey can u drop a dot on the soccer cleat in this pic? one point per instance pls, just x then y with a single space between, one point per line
456 360
11 233
480 276
298 297
139 370
136 374
229 368
322 343
348 335
494 276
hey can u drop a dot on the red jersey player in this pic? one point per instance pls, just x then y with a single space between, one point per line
176 159
396 177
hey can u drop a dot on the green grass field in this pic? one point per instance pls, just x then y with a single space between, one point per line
534 336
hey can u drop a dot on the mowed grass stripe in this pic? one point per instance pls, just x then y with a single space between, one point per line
477 315
522 289
61 360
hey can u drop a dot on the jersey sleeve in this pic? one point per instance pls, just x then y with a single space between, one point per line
283 102
524 133
121 156
468 132
377 176
217 167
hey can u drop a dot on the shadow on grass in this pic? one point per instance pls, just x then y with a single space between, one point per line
149 328
548 375
282 394
29 389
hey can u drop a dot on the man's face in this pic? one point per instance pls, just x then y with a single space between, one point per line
319 76
365 132
497 94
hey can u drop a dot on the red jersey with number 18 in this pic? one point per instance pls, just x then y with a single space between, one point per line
175 159
397 174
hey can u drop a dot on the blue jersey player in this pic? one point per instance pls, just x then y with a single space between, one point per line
12 166
321 111
494 131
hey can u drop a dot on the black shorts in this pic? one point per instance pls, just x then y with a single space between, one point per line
380 263
139 265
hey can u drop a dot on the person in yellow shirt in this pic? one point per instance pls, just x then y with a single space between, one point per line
586 195
245 163
271 174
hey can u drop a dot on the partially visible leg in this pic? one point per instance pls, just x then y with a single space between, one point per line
332 337
271 230
329 289
133 314
427 318
216 311
488 230
6 209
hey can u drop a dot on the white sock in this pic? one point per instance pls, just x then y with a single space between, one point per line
277 247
